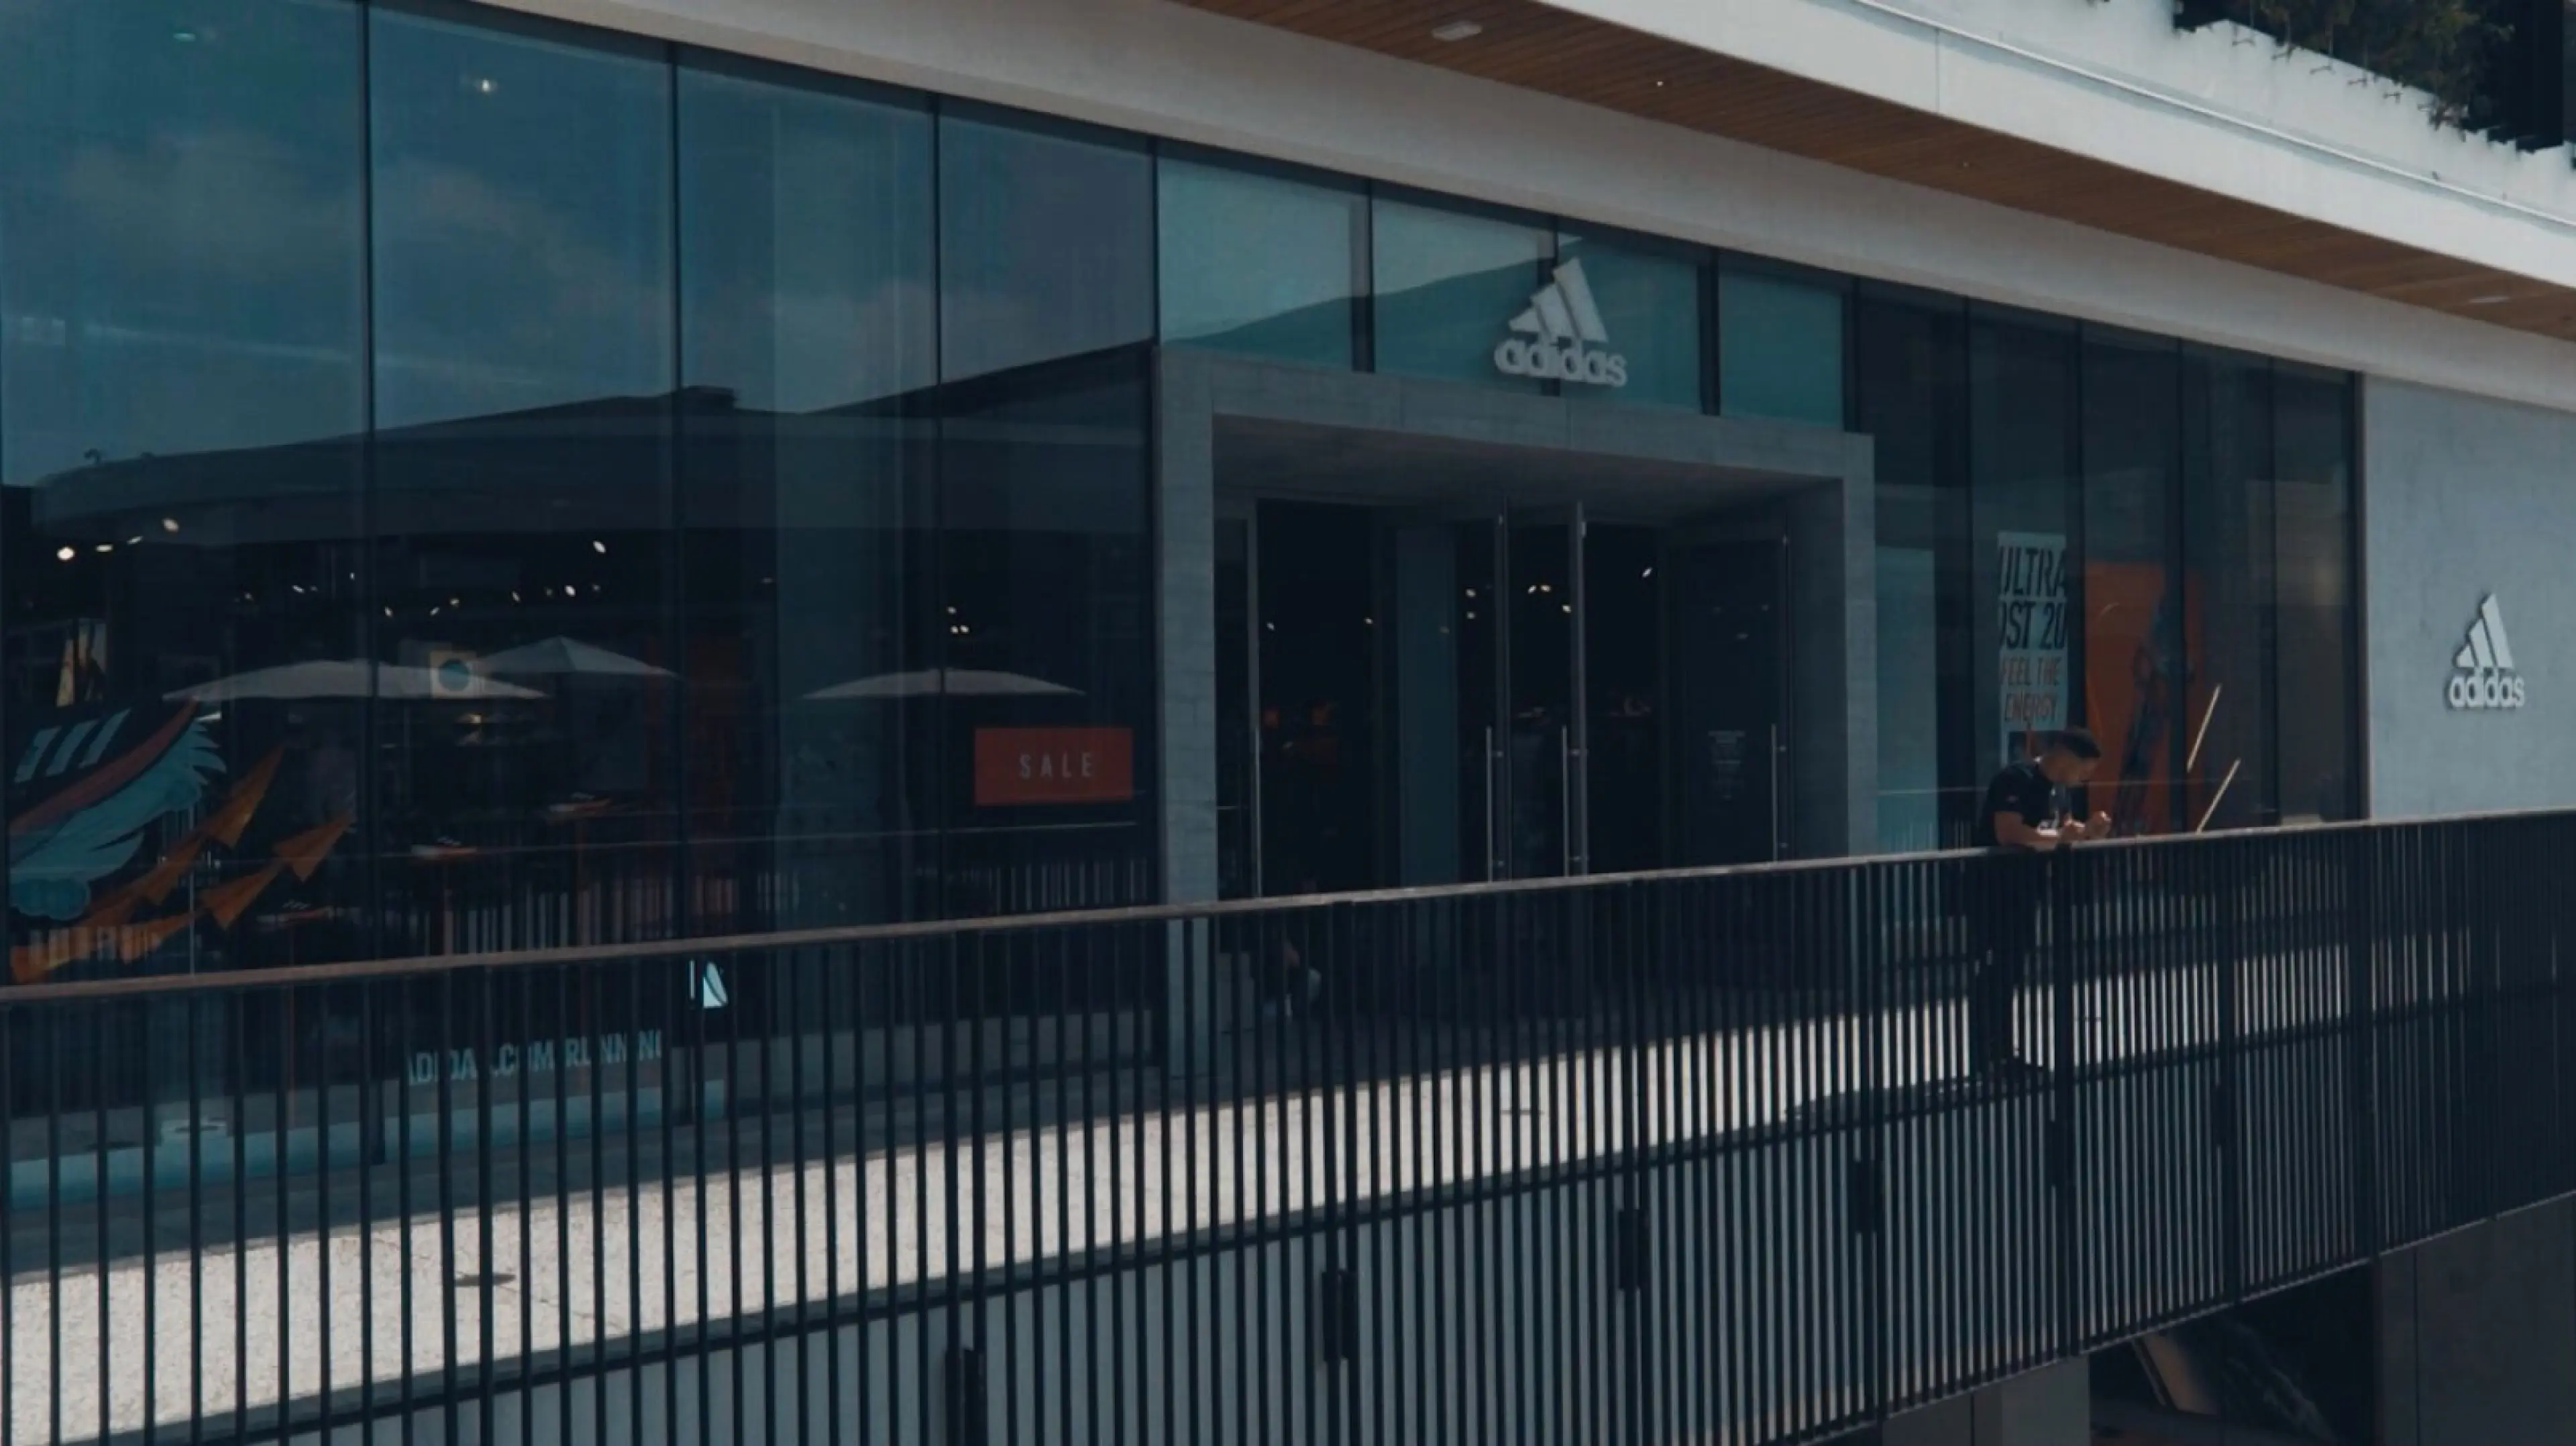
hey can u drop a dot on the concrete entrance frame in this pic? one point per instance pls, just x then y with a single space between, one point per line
1817 480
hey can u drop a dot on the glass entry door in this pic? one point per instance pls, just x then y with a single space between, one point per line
1419 701
1439 585
1726 659
1484 670
1545 777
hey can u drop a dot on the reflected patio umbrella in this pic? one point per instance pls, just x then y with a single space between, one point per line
353 678
955 682
562 657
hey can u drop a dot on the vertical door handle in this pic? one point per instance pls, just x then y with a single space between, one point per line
1491 790
1565 796
1776 850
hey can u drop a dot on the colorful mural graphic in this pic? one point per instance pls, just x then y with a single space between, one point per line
92 789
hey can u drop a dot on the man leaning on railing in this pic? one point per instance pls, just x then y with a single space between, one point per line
2024 816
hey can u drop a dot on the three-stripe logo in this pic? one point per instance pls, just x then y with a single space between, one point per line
2487 677
1562 321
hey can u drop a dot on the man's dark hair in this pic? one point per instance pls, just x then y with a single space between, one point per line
2078 741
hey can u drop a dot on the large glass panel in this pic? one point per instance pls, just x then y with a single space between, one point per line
182 386
1046 243
2139 636
527 682
1910 400
1649 299
1261 264
1450 285
807 336
2319 775
1779 345
1045 615
2228 567
2028 653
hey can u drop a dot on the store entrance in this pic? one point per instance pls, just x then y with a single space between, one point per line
1441 695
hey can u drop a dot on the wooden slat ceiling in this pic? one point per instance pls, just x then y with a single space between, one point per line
1537 47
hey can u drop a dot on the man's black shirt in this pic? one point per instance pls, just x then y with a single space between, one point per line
2020 788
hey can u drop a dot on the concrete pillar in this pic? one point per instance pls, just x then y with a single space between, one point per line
2477 1334
2052 1406
1185 605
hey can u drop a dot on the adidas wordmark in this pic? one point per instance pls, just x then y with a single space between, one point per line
2486 676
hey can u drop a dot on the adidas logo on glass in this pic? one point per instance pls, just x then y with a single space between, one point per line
2486 677
1564 320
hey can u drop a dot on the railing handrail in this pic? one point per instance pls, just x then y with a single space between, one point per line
313 975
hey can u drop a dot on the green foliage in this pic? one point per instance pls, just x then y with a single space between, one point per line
2447 48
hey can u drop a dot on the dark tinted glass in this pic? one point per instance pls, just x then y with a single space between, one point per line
2139 636
1045 624
807 334
2022 469
1046 244
1910 372
2229 568
2313 552
529 688
182 387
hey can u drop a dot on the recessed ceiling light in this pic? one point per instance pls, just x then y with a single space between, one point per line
1457 30
2489 300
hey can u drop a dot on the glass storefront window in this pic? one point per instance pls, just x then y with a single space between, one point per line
182 402
2228 568
1046 637
1448 285
527 685
731 509
807 341
2141 639
1780 345
2313 559
1046 243
1909 376
1651 307
1260 264
2025 550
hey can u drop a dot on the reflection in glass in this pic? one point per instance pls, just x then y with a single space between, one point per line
2024 552
1046 244
2313 542
806 339
1046 689
2141 637
1650 304
1259 264
1910 399
181 390
1780 346
2228 565
1448 284
523 499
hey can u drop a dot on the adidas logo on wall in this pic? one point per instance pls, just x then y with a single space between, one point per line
2486 676
1564 320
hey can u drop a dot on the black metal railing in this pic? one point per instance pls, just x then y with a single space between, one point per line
1695 1156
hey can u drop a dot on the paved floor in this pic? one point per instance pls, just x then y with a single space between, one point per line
173 1334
